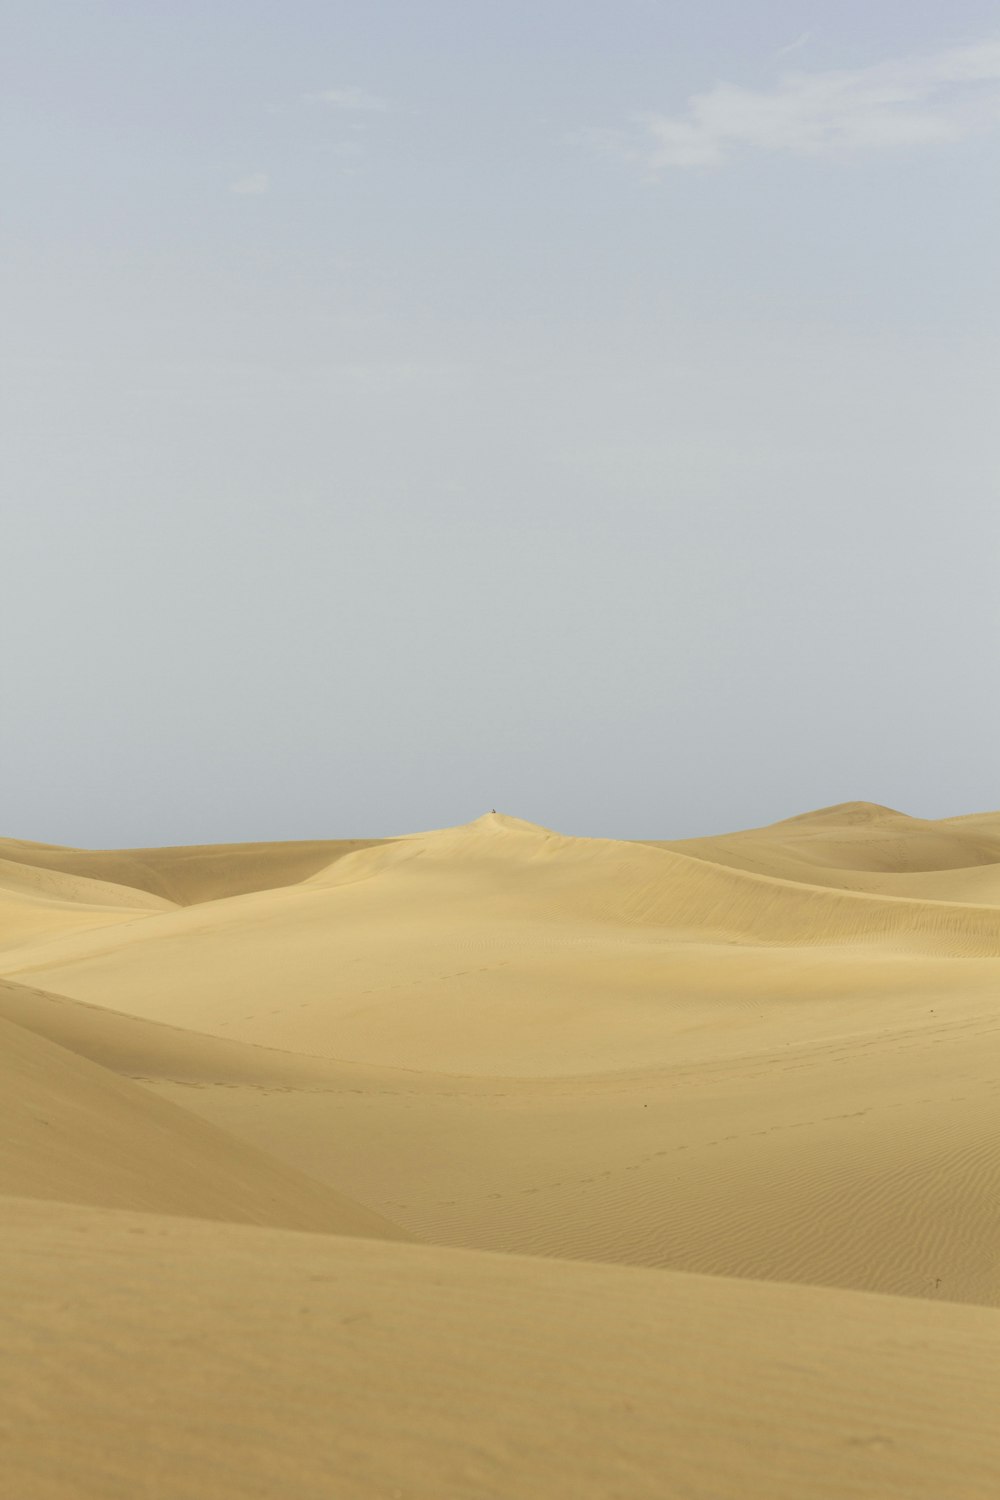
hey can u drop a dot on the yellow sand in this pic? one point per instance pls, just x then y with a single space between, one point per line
186 874
72 1131
772 1056
164 1357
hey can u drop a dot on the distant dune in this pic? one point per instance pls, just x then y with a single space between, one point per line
859 846
718 1066
185 875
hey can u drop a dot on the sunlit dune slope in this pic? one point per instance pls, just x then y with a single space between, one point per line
867 1160
150 1050
143 1355
773 1056
863 1166
987 823
37 903
506 1039
506 909
861 846
188 874
72 1130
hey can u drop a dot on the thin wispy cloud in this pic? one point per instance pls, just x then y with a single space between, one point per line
353 99
920 100
252 186
796 46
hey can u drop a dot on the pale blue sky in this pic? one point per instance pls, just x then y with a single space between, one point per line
583 409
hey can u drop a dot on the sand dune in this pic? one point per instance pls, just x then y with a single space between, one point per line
36 902
70 1130
366 1369
862 847
771 1056
187 874
454 897
865 1161
136 1048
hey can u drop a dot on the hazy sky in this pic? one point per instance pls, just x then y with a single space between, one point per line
587 408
